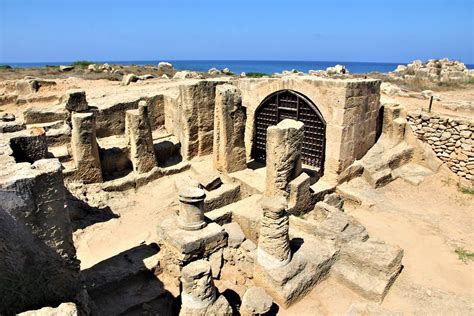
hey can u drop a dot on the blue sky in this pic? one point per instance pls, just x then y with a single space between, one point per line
332 30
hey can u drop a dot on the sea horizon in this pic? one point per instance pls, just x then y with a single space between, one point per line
238 66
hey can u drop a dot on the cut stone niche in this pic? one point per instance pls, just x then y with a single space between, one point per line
349 108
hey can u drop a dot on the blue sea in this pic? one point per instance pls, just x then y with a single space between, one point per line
238 66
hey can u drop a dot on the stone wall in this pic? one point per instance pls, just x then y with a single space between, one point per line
350 108
38 263
452 139
190 117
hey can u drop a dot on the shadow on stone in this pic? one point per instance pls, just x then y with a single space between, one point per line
124 282
234 300
83 215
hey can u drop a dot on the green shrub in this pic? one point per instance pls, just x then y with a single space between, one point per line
464 255
82 63
255 74
5 67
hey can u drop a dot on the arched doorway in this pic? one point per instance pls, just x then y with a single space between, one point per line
290 104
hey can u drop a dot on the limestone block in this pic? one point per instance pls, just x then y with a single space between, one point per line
283 160
139 139
65 309
85 150
235 235
274 241
189 245
229 126
29 145
256 301
300 195
76 100
198 289
370 267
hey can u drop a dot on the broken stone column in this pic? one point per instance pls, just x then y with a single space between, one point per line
198 289
139 139
191 214
284 142
84 148
229 126
256 301
76 100
274 242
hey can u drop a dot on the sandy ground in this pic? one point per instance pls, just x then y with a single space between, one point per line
429 222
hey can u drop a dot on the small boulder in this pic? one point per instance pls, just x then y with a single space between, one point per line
226 71
145 77
185 74
64 68
337 70
127 79
93 67
256 301
65 309
235 234
214 71
165 67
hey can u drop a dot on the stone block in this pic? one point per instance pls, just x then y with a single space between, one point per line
300 198
75 100
288 284
229 126
369 268
85 150
235 235
139 139
191 245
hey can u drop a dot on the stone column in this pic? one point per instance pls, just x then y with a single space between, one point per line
229 127
139 139
274 241
84 148
198 291
283 161
191 214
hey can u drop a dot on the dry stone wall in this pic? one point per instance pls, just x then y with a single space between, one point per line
451 139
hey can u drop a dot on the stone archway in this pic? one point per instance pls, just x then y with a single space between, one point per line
290 104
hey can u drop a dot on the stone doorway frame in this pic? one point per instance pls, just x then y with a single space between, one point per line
300 108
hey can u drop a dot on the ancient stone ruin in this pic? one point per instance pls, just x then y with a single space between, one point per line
260 171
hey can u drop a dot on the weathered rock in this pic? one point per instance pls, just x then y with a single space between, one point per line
255 301
214 71
338 69
127 79
229 126
64 68
165 67
65 309
369 268
184 74
274 242
139 139
199 295
300 198
84 146
284 142
75 100
235 235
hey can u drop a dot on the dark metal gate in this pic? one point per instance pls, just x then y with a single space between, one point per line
292 105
